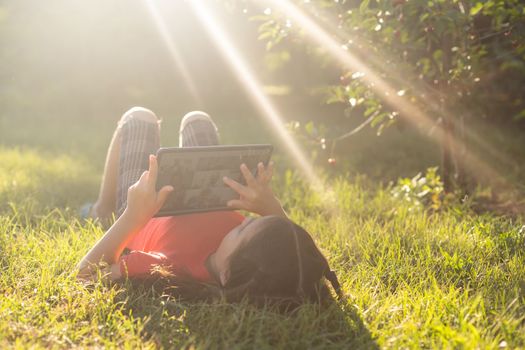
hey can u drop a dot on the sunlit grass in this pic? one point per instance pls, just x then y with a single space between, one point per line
30 181
413 279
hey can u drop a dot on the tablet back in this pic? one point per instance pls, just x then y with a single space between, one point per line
196 175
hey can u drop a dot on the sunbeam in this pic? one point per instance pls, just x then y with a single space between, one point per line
378 59
178 61
349 60
388 94
250 82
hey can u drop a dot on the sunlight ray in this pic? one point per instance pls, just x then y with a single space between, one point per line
349 60
178 61
378 59
388 94
250 82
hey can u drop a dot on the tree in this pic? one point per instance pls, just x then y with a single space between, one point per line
453 60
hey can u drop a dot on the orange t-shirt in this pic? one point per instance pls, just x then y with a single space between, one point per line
180 244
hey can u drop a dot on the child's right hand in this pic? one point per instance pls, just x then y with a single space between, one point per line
143 199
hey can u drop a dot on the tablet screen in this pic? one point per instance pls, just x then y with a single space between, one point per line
196 175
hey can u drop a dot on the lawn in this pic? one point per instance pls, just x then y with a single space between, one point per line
413 278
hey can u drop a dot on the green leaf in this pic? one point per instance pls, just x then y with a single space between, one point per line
310 129
520 115
364 6
265 35
378 119
476 8
371 110
438 55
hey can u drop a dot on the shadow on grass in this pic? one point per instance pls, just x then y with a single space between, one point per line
171 323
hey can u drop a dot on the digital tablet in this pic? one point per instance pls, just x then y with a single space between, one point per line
196 175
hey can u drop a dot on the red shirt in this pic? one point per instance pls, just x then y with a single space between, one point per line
180 244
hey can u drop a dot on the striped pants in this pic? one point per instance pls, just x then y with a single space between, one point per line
139 131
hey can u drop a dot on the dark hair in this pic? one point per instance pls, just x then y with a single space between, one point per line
279 264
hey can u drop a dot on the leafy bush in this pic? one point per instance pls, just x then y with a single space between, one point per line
421 191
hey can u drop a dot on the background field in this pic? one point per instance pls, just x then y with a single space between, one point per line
411 279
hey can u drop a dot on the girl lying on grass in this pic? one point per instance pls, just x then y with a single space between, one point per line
220 252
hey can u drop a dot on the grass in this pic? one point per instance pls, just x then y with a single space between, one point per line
413 279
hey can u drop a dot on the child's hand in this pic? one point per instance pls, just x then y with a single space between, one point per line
257 196
143 199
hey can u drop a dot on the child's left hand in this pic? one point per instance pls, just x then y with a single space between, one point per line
257 196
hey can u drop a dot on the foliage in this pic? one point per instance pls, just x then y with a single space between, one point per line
454 61
420 191
419 46
412 280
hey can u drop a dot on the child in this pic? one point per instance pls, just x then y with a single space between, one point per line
262 258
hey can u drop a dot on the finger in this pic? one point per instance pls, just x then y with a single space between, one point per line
143 177
153 169
260 171
269 172
237 187
236 204
132 188
248 176
163 194
266 172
